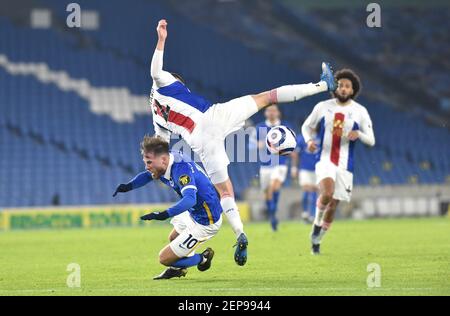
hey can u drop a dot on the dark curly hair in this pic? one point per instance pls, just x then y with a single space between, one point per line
353 77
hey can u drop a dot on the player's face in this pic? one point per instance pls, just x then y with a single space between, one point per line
157 165
344 90
272 113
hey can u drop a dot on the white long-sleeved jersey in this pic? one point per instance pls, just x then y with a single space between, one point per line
333 123
175 108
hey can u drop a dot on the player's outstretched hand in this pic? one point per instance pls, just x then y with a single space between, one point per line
312 147
162 30
122 188
159 216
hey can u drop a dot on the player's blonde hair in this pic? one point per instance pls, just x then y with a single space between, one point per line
154 145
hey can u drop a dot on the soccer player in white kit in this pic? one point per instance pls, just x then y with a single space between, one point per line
204 125
341 121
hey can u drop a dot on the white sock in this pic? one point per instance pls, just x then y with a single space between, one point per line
232 213
323 230
320 211
292 93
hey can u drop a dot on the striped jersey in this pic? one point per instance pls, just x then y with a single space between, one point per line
333 122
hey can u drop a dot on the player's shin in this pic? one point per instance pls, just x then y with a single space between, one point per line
292 93
188 261
316 236
312 204
231 211
276 197
320 211
323 230
305 204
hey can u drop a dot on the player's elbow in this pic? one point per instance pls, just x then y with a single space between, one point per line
191 200
155 75
305 131
371 142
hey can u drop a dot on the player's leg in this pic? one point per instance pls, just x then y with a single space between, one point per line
177 266
231 211
325 224
312 204
292 93
326 189
173 234
215 160
179 223
264 181
277 178
341 191
180 253
329 216
274 193
225 118
309 198
307 181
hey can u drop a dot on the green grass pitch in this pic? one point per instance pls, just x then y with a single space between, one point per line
414 256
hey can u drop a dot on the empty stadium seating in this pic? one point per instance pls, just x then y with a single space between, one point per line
74 107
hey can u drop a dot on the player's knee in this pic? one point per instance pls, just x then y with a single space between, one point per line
333 206
172 235
326 198
226 194
164 260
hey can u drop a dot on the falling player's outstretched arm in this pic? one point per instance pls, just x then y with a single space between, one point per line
160 77
138 181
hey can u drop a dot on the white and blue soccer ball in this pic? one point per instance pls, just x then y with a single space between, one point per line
281 140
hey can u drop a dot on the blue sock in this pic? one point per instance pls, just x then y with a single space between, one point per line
268 205
312 204
273 210
305 202
188 261
275 198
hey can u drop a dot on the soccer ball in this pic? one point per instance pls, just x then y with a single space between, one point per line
281 140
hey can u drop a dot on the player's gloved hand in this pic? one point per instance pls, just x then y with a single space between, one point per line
123 188
159 216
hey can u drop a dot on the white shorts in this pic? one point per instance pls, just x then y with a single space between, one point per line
191 234
181 221
218 122
343 179
269 174
306 177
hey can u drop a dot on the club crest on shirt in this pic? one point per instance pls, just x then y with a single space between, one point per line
184 179
338 127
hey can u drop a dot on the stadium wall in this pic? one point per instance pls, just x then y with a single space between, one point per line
367 202
86 217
